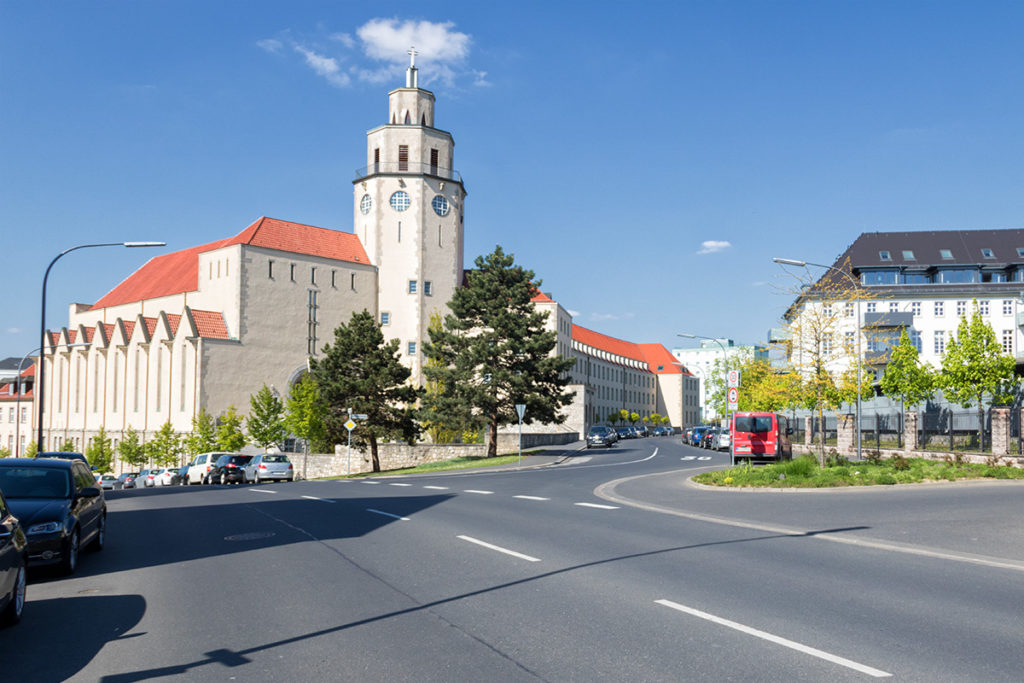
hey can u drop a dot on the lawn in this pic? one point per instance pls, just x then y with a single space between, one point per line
804 472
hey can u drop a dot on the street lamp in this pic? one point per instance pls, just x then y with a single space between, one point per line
725 356
42 324
804 264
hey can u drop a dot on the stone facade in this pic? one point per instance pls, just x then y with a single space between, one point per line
1000 431
910 419
846 435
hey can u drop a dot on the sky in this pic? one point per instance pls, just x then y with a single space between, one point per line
646 160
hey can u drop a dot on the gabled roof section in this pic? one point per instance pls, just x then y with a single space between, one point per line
209 324
661 361
656 357
964 247
178 271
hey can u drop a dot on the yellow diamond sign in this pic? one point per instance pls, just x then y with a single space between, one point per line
350 425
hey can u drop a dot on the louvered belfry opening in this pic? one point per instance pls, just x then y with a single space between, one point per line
433 162
403 157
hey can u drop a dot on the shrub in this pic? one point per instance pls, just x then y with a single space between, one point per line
833 459
886 478
993 460
873 457
804 466
899 463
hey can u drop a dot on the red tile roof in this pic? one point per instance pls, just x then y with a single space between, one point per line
653 355
210 324
108 331
150 326
129 327
178 272
542 297
173 319
90 332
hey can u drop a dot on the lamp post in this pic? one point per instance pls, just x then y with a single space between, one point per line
725 358
42 325
804 264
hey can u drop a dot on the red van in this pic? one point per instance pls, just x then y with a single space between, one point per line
761 435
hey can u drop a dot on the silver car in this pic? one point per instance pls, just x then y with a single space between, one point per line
269 467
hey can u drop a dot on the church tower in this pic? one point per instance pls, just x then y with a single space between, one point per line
408 211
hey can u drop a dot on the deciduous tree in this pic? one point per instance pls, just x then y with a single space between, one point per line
164 449
305 412
905 377
265 422
203 437
99 453
131 450
230 436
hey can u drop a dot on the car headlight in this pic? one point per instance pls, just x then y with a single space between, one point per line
44 528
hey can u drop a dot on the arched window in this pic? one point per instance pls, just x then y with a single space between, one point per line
407 121
423 119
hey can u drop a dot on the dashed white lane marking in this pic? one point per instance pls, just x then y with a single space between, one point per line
263 491
322 500
835 659
531 498
499 549
387 514
482 493
596 505
688 457
704 457
367 481
401 484
437 488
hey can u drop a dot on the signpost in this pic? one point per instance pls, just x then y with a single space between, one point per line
350 425
520 410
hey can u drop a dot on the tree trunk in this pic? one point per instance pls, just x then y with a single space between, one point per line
373 453
492 436
981 423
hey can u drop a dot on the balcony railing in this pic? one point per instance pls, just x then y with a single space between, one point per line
392 167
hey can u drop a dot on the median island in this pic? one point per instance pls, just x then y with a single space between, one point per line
805 472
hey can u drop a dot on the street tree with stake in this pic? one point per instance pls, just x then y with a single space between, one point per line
362 373
494 351
265 423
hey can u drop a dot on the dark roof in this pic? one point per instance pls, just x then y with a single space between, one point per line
11 363
965 247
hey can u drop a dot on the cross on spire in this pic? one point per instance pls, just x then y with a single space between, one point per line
412 57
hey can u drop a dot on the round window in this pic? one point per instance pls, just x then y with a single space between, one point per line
365 204
400 201
441 206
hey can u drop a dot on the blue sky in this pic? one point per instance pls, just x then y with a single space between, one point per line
645 159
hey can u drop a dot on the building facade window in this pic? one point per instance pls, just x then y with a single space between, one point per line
403 157
894 307
940 342
159 375
400 202
826 310
385 318
1007 306
939 310
915 307
915 339
961 308
428 288
983 307
412 286
270 269
312 275
291 272
412 348
313 307
872 306
117 382
1008 342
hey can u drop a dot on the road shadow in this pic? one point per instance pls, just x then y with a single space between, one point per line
58 637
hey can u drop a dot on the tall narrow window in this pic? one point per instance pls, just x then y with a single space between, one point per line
428 288
184 378
940 342
117 382
433 162
1007 306
312 275
311 323
376 159
334 275
1008 342
159 375
78 384
412 286
399 231
983 307
403 157
385 318
352 281
270 269
135 393
291 272
96 386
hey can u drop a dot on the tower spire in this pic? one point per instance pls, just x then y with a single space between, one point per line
411 73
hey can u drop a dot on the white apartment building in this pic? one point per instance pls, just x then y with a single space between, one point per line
924 282
701 362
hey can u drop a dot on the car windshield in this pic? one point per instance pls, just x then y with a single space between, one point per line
753 423
275 458
240 459
35 482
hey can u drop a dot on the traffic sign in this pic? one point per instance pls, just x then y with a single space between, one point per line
734 378
350 425
357 416
521 409
734 398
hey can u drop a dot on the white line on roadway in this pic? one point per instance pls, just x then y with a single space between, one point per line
367 481
483 493
531 498
401 484
263 491
437 488
835 659
387 514
322 500
499 549
599 507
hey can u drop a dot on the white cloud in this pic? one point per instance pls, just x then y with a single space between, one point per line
345 39
573 313
13 330
270 44
711 246
325 66
389 40
481 78
611 316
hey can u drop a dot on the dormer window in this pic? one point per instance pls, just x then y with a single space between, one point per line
946 254
987 253
908 255
1020 252
885 256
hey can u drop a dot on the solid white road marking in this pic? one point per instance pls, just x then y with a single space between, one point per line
437 488
387 514
401 484
531 498
499 549
483 493
835 659
322 500
263 491
599 507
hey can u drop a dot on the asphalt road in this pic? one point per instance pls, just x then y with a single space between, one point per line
606 567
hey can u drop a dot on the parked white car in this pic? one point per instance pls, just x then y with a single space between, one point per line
268 467
199 468
722 440
165 476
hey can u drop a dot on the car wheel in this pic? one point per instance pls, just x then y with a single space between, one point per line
256 479
290 479
101 534
69 562
12 613
221 481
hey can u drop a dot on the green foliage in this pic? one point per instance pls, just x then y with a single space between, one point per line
974 364
624 415
305 412
203 437
265 424
68 446
362 373
30 450
164 449
904 377
494 351
443 419
899 463
99 453
613 418
130 450
230 436
4 452
633 417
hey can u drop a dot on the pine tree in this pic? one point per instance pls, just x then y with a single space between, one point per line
265 423
495 351
362 373
203 437
230 436
99 453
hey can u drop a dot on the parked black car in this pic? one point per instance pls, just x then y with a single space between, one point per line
625 432
63 455
600 435
59 506
228 469
13 564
